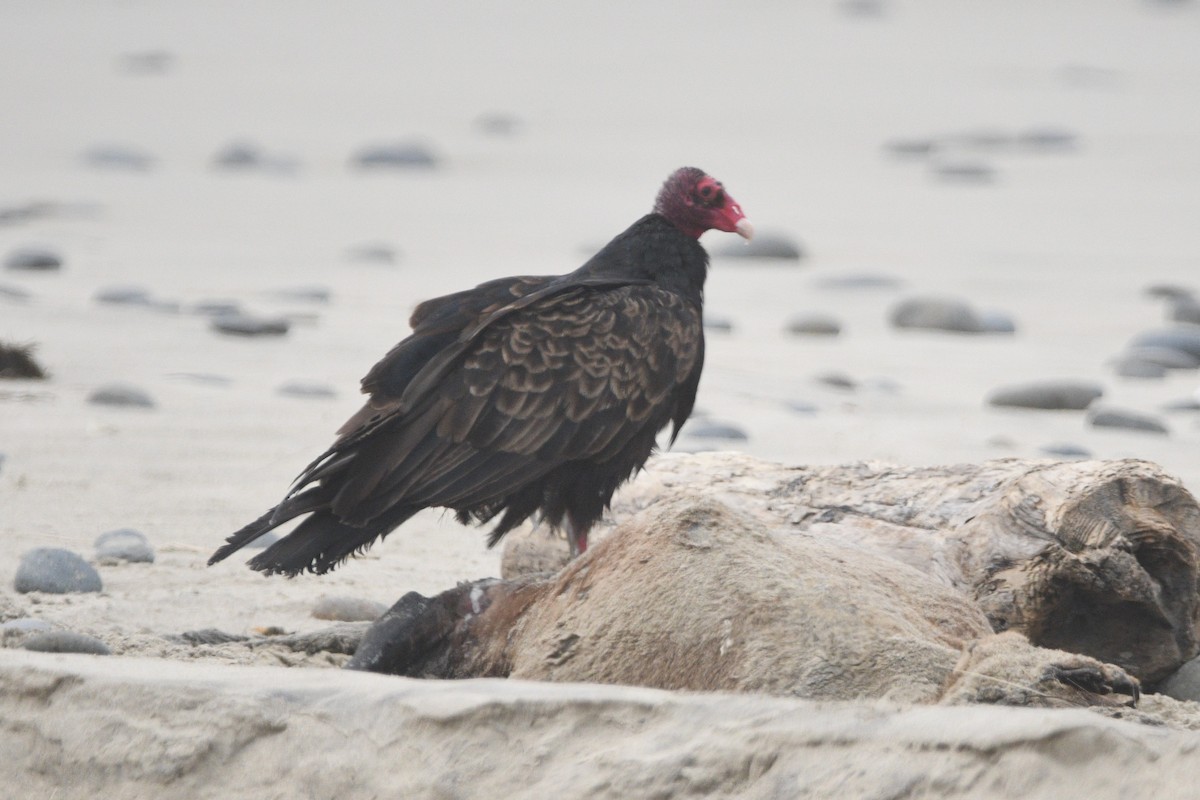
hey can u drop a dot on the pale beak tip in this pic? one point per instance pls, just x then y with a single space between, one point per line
745 229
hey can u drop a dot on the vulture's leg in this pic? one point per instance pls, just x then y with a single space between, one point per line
577 535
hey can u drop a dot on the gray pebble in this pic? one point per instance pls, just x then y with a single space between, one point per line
202 378
766 245
1169 291
25 625
14 294
498 123
216 308
813 325
124 296
1066 450
33 259
996 322
1053 395
1188 404
864 280
120 395
837 380
910 147
66 642
123 544
800 407
1128 420
938 314
1133 367
239 155
373 253
57 571
1184 310
246 325
307 390
1163 356
303 294
964 172
1056 140
348 609
718 324
708 429
396 156
1183 337
119 157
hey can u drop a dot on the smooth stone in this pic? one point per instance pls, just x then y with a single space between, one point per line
707 429
1183 338
996 322
373 253
937 314
25 625
718 324
910 147
306 390
118 157
124 544
1127 420
1066 450
1169 291
1050 395
303 294
498 123
66 642
120 395
1048 139
17 363
1185 683
1130 367
1188 404
56 571
837 380
348 609
33 259
864 280
813 325
396 156
1184 310
216 308
765 245
15 294
964 172
239 155
123 296
246 325
801 407
1163 356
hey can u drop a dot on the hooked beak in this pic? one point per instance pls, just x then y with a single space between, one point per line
731 219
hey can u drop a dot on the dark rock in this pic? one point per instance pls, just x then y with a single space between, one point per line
1128 420
1169 291
1183 338
1053 395
1184 310
123 544
1131 367
120 395
865 280
33 259
837 380
718 324
1066 450
1185 683
813 325
910 147
118 157
246 325
1163 356
709 429
66 642
57 571
124 296
373 253
964 172
396 156
765 245
17 363
938 314
348 609
307 390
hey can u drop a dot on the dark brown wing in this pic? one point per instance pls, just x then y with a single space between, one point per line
572 375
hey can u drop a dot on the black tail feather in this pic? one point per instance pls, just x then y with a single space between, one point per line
243 537
321 542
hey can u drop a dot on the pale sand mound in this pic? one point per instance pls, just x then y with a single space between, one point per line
80 727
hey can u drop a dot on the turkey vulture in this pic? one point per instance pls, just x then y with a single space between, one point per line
522 395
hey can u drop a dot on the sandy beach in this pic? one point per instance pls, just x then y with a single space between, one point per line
1061 182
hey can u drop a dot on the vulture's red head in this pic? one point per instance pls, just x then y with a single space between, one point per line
695 202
